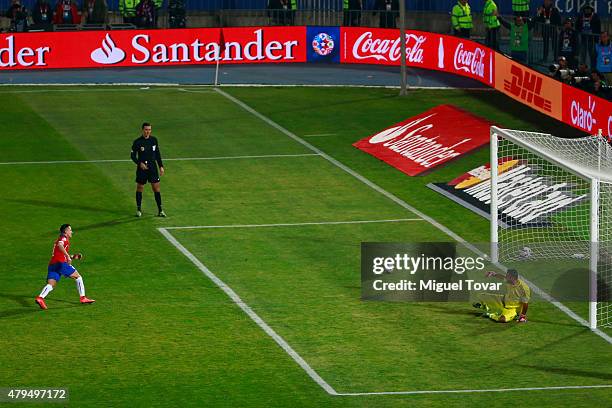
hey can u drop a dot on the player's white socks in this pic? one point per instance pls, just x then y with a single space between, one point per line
80 286
46 290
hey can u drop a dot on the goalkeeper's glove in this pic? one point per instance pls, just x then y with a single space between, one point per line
522 319
490 274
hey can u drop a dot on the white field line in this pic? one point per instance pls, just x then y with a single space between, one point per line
297 224
89 84
107 89
294 355
568 387
405 205
264 156
254 316
245 85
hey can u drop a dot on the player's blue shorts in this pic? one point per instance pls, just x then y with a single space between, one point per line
56 270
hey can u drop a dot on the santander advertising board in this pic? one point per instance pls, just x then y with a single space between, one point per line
98 49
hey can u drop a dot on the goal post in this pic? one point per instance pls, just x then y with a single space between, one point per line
551 199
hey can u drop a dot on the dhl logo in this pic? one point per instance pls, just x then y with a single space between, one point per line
527 86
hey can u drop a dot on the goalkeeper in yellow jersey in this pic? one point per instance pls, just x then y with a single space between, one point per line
512 305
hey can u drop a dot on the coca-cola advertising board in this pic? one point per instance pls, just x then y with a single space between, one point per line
425 141
423 50
586 111
98 49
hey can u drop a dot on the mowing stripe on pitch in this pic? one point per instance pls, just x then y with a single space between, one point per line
246 309
407 206
296 224
263 156
294 355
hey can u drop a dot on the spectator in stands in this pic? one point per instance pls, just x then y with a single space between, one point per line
127 9
389 11
583 70
95 11
550 20
146 14
176 14
520 8
461 19
491 23
282 11
352 12
18 16
66 12
568 43
599 86
519 37
603 52
588 27
42 15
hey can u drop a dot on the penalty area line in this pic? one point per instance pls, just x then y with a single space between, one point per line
247 309
295 224
561 387
304 365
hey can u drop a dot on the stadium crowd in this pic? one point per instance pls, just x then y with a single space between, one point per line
582 50
580 47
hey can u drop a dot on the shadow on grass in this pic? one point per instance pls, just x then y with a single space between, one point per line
110 223
29 306
64 205
569 371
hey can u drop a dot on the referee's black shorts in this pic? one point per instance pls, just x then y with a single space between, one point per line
151 175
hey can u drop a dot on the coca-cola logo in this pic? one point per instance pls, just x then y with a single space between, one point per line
470 61
366 47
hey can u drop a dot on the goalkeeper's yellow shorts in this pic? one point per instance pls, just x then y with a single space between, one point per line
494 305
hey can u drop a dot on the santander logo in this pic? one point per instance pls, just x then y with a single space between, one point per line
109 53
397 131
388 50
470 61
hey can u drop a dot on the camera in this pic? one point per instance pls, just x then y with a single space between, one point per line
580 79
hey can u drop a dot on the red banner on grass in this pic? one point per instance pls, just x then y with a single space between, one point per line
427 140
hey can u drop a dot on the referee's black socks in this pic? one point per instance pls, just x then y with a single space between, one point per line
138 199
158 200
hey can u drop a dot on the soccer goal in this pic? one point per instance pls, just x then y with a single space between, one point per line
551 199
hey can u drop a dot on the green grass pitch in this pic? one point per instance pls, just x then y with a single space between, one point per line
163 334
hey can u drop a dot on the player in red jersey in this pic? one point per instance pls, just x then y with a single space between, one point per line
61 264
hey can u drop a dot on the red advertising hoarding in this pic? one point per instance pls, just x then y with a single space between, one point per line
534 89
587 112
129 48
425 141
423 50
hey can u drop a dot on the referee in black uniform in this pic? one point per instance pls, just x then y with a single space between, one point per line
146 155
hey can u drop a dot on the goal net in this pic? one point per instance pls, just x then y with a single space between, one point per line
551 200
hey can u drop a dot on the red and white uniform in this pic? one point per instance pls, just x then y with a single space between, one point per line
58 256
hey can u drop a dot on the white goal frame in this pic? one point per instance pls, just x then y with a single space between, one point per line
593 176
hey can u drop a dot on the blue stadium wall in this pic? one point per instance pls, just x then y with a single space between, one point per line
567 7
